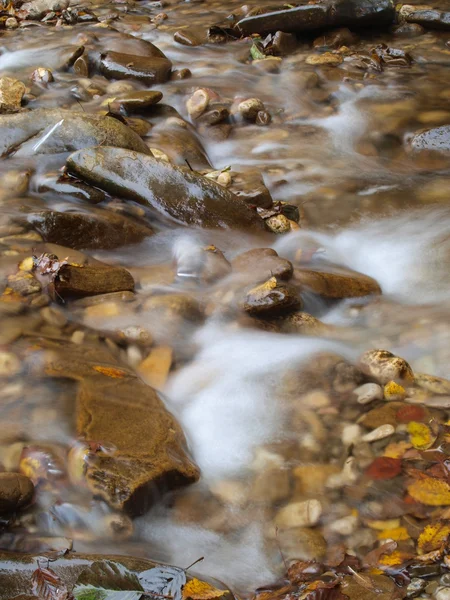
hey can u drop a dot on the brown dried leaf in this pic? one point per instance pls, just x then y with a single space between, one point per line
48 586
372 559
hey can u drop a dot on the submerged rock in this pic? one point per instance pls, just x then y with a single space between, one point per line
52 131
175 192
148 69
383 366
147 449
103 229
11 94
259 264
16 491
436 139
271 298
89 280
310 17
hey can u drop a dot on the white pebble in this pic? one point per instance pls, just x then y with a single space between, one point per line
345 526
368 393
438 402
381 432
299 514
351 434
442 593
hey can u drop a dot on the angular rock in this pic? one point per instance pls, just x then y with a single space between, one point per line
436 139
16 491
148 450
148 69
178 193
11 94
430 19
343 284
51 131
89 280
36 9
271 298
138 100
311 17
99 230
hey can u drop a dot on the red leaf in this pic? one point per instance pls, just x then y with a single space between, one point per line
411 412
302 571
48 586
384 468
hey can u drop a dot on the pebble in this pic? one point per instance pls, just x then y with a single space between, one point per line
198 103
327 58
278 224
368 392
42 76
154 369
11 23
345 526
381 432
351 433
384 366
11 94
442 593
437 402
299 514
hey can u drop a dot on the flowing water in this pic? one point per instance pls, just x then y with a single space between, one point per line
338 148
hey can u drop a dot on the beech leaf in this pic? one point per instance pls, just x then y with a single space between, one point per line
107 580
163 581
47 585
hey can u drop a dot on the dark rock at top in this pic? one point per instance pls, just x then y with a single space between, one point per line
432 19
312 17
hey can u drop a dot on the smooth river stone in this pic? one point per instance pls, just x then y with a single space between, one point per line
176 192
311 17
117 408
148 69
431 19
436 139
337 284
24 133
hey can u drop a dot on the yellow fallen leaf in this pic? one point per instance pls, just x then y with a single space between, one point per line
398 534
420 435
397 449
394 391
110 371
382 525
433 536
195 589
395 558
430 491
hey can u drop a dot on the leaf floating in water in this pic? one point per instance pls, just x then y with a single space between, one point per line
433 537
384 467
48 586
200 590
420 435
256 53
107 580
164 581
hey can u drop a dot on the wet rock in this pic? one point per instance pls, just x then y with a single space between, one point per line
338 284
197 104
368 392
36 9
147 449
435 385
283 43
138 100
101 229
430 19
42 76
11 94
383 366
409 30
24 134
278 224
206 264
259 264
89 280
327 58
436 139
249 186
180 143
215 114
304 324
81 66
175 192
148 69
191 36
16 491
310 17
11 23
271 298
249 108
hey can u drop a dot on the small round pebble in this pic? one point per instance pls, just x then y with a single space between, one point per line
16 491
381 432
368 392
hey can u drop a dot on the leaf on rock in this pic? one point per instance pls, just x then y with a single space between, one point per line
164 581
384 468
256 53
304 570
411 412
420 435
430 491
433 537
200 590
107 580
110 371
396 449
46 584
373 558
